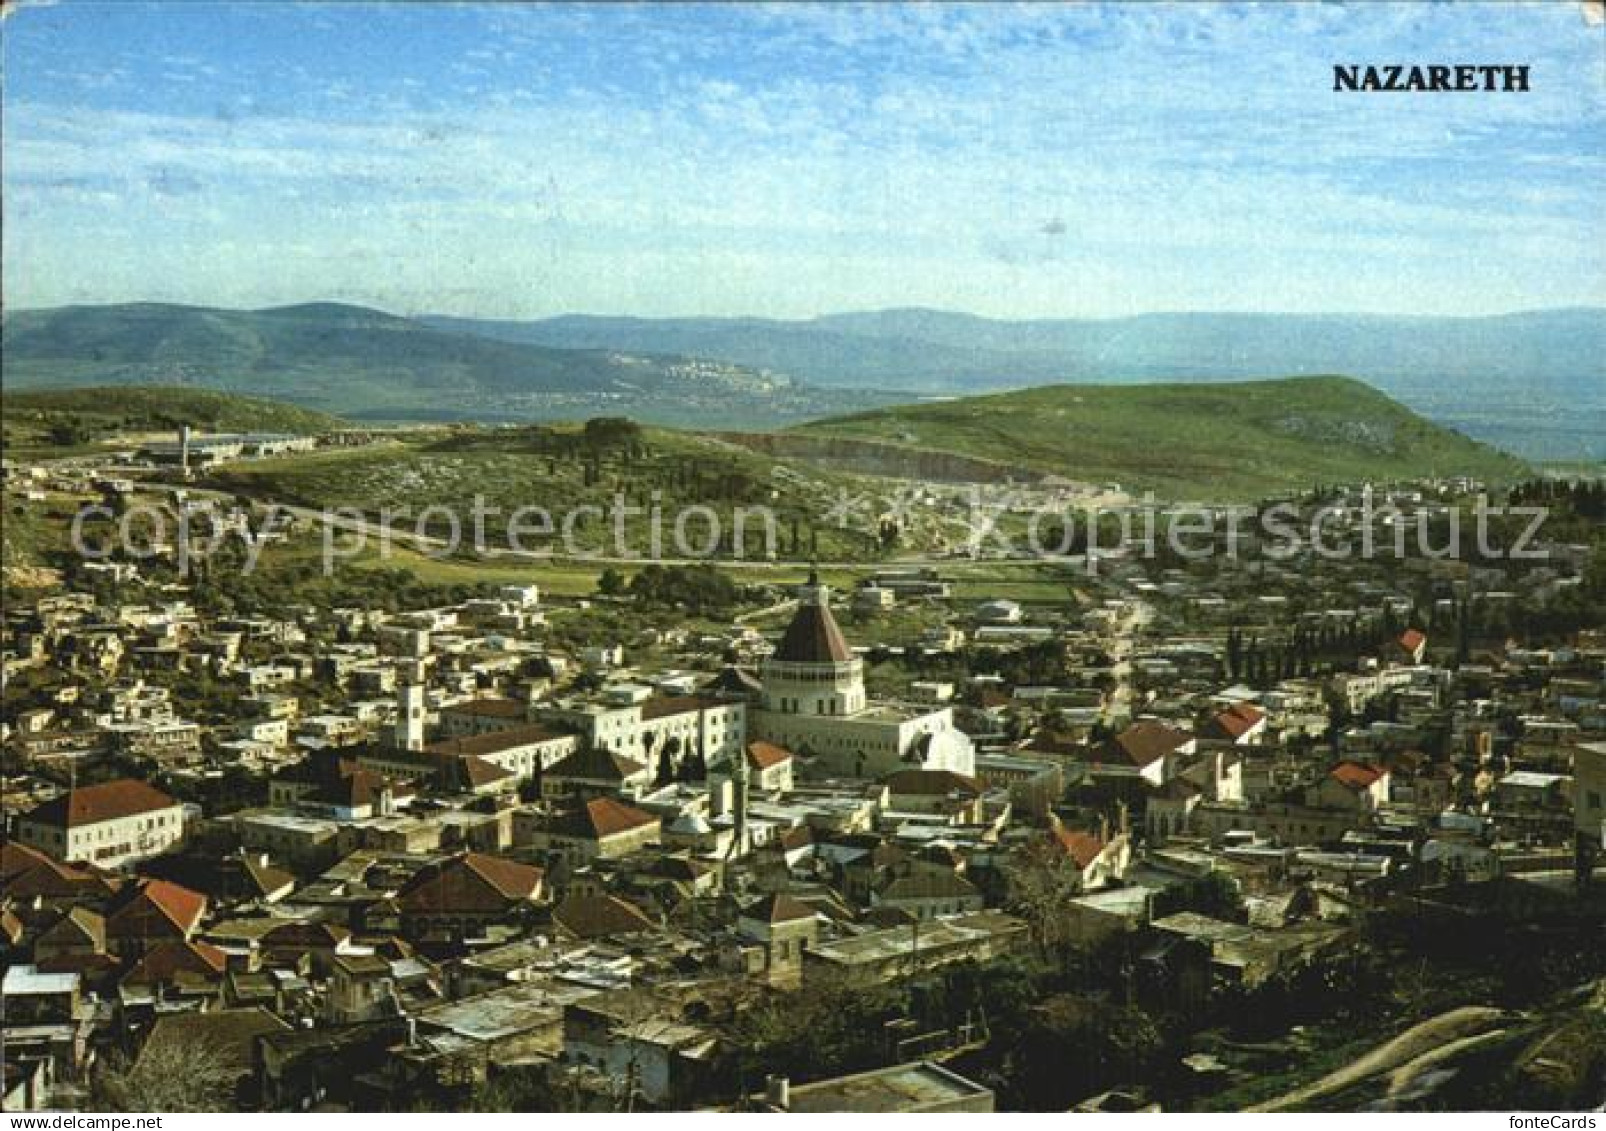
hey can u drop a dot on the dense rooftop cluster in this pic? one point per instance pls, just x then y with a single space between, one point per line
345 857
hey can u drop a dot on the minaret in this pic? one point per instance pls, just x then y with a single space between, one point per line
739 801
410 711
184 449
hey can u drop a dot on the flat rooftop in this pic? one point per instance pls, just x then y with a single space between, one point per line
934 934
27 980
903 1087
506 1012
1119 901
287 820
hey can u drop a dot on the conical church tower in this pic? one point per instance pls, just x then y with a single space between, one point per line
813 671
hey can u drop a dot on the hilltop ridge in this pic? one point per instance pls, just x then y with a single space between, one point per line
371 365
1226 439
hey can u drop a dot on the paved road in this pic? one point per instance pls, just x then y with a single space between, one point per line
1121 652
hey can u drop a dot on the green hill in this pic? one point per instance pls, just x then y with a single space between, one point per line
1238 440
59 419
1531 381
556 467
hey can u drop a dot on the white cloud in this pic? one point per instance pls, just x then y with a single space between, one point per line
828 157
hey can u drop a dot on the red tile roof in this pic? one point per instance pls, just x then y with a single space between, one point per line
1412 639
496 741
778 907
667 705
1355 775
764 755
78 927
353 787
681 868
1237 720
733 680
92 968
813 637
470 883
929 885
155 902
174 959
594 763
598 916
794 838
932 783
302 935
1142 743
1082 847
605 817
18 860
490 708
93 804
475 772
26 873
512 879
1046 741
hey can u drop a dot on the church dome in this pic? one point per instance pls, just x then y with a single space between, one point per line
813 636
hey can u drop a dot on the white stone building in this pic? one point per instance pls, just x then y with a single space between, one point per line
1589 791
813 703
108 825
682 725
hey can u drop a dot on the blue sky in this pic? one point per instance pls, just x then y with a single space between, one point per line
1030 161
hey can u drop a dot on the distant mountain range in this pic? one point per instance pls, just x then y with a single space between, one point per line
1534 382
931 348
366 364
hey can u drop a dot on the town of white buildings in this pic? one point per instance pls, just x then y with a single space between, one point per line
383 857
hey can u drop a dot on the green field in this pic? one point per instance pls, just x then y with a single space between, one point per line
37 534
61 422
1218 441
1211 442
560 579
512 468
